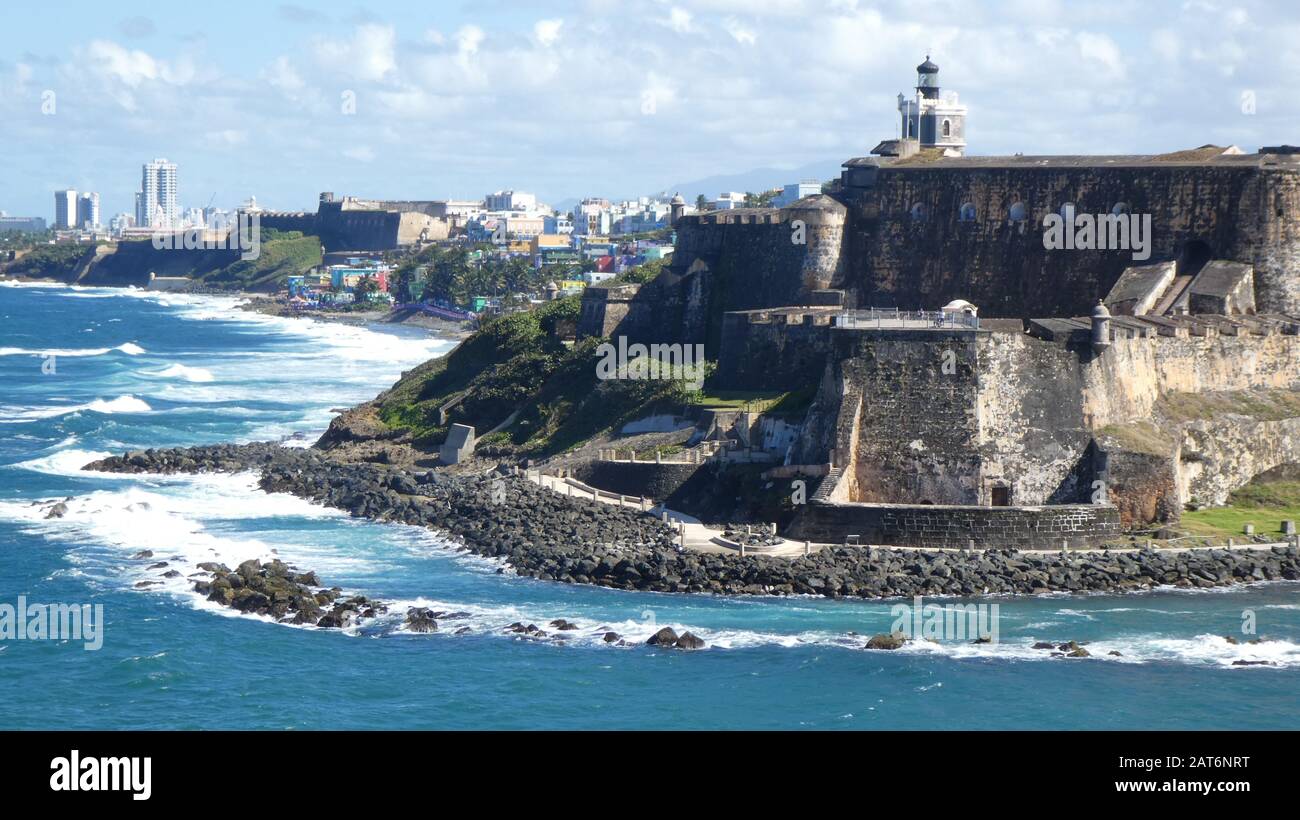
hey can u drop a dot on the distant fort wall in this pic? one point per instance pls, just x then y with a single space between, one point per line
362 225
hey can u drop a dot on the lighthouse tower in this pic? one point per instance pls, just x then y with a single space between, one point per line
933 119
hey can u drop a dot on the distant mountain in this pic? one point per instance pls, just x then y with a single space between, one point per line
759 179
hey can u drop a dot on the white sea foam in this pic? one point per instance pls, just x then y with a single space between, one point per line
183 372
129 348
121 404
67 462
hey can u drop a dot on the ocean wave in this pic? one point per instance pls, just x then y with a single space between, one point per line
129 348
67 463
108 407
183 372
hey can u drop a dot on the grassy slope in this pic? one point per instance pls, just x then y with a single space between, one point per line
51 261
282 255
1264 504
518 364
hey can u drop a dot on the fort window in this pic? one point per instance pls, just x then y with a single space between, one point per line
1017 212
918 211
967 212
947 128
1001 496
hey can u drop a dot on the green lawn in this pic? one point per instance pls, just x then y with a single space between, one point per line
1266 505
739 399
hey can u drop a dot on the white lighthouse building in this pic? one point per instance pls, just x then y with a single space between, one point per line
931 119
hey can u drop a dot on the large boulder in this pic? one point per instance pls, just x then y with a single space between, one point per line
664 637
893 640
420 619
689 640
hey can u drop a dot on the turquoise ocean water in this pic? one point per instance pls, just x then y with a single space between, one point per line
134 370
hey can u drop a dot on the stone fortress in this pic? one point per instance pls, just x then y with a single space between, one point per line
1156 381
352 224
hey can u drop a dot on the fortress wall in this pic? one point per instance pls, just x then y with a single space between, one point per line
1270 239
1002 266
761 351
1123 384
647 479
411 228
1079 525
1021 412
748 260
917 425
604 310
1032 432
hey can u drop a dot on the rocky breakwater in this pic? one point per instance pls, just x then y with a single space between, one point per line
539 533
279 591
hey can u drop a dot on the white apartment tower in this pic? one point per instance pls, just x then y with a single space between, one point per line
157 206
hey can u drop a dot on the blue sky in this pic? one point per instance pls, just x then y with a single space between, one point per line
600 97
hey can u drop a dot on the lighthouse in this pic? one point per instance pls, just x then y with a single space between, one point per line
932 118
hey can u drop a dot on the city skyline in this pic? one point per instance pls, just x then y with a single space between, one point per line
413 103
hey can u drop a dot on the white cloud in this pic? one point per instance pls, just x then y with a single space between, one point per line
740 32
1102 52
282 75
360 153
680 20
468 40
547 32
370 54
126 66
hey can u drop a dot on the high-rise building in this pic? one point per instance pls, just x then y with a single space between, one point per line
65 209
157 205
88 211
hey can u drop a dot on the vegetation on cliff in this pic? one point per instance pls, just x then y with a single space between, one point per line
519 374
282 254
57 261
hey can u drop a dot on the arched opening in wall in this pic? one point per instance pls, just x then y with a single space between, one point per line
967 213
947 128
919 212
1192 257
1017 212
1000 495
